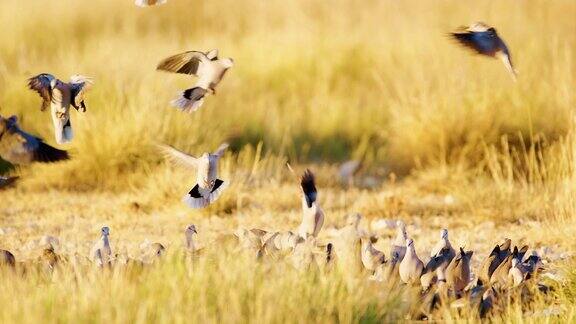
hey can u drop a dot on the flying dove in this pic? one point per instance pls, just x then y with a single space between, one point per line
59 96
458 272
6 182
19 147
399 244
485 41
209 69
101 252
312 214
7 259
149 3
208 187
489 265
411 267
371 257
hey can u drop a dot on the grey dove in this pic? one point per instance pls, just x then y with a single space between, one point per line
411 267
19 147
208 186
59 95
207 66
484 40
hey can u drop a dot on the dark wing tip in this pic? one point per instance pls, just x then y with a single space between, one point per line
48 154
307 182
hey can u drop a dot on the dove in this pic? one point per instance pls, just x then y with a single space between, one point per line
149 3
517 273
208 186
19 147
303 256
347 171
101 252
371 257
388 271
7 259
458 272
487 303
207 66
399 244
59 95
348 247
489 265
484 40
189 234
411 267
6 182
500 275
312 214
49 258
442 245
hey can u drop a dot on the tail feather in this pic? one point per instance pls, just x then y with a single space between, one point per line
190 99
308 187
194 200
63 132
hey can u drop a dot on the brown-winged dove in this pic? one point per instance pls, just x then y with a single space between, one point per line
207 66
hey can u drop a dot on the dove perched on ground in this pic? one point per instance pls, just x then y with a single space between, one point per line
6 182
206 66
443 244
388 271
7 259
489 265
458 272
312 214
208 186
149 3
500 275
19 147
101 252
485 40
59 95
189 235
349 247
411 267
371 257
399 243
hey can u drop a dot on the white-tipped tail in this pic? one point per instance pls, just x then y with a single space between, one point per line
148 3
187 105
63 132
202 202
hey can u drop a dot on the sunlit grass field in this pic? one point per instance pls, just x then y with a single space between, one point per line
315 83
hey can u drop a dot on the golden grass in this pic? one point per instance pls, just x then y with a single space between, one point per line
315 83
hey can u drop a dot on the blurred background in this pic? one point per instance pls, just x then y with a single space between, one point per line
315 82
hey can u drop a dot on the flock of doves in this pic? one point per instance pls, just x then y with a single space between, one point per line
20 147
445 277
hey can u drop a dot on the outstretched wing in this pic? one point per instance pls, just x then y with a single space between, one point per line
185 63
221 149
480 38
19 147
79 85
178 157
212 54
41 84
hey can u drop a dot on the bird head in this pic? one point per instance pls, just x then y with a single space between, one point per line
227 62
410 243
191 229
444 234
105 231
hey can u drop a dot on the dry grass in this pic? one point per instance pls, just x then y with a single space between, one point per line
315 83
